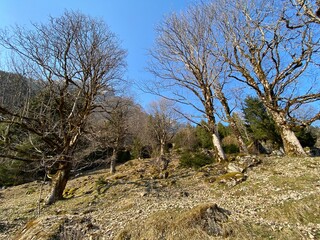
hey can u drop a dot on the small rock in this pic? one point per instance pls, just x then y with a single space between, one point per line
278 153
184 194
143 194
232 167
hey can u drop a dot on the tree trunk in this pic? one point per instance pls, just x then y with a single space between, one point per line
113 161
162 147
242 146
218 150
163 162
59 182
291 144
217 145
235 129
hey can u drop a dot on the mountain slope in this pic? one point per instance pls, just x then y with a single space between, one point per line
280 199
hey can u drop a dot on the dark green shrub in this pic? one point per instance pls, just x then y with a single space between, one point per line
204 136
306 138
259 123
231 148
123 156
195 160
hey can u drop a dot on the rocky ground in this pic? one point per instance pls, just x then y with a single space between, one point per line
263 198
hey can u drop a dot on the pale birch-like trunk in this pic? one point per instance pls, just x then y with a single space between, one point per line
218 147
291 144
162 147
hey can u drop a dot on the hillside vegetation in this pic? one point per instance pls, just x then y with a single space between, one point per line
278 199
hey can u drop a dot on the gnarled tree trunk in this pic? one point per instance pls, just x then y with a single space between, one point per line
291 144
59 182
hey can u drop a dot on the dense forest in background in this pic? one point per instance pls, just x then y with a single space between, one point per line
252 81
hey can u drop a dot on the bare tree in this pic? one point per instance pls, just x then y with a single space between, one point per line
73 59
183 61
309 10
14 90
270 58
163 122
218 86
141 140
114 126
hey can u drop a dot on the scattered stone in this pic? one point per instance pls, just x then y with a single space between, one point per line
232 167
231 179
242 163
143 194
271 185
164 175
184 194
212 221
278 153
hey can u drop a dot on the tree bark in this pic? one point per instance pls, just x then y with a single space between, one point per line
235 129
217 145
162 147
59 182
113 161
242 146
291 144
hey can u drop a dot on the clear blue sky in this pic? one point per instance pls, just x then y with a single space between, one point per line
133 21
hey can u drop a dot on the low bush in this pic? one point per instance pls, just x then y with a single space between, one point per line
231 148
123 156
195 160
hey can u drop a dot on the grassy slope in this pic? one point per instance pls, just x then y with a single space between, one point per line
279 200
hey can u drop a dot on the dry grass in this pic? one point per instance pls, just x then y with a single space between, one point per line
172 225
280 199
